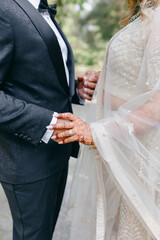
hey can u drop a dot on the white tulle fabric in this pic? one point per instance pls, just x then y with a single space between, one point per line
116 188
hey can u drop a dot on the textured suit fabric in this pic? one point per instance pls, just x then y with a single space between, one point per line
35 206
30 91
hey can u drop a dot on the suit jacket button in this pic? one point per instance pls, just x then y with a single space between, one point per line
21 135
29 139
16 134
24 137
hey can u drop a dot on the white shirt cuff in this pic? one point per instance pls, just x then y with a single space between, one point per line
48 134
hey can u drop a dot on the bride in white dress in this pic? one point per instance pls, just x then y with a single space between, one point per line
115 193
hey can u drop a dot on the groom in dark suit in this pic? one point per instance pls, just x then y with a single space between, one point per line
36 80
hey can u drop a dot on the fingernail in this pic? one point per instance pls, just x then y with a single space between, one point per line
60 142
54 137
85 83
51 126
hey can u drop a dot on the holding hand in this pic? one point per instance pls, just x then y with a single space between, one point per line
87 84
73 130
61 123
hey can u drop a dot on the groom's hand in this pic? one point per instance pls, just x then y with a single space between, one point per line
87 84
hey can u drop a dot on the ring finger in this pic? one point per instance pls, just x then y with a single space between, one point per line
91 85
67 133
89 91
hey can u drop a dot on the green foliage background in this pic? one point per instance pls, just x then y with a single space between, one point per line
89 31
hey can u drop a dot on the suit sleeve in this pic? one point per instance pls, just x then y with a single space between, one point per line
16 116
76 99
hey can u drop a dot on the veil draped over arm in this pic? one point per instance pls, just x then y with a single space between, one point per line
127 160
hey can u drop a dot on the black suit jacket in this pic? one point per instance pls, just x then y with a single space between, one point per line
32 86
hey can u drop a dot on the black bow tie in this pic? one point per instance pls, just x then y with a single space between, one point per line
43 6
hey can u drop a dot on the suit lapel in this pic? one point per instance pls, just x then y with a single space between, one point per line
49 38
70 61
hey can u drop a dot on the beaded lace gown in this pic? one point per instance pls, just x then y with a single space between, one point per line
126 56
115 193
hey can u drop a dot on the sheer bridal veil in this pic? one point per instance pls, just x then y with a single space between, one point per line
127 159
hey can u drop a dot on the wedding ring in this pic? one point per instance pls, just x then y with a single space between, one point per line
70 132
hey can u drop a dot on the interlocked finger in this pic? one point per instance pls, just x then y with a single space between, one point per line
69 139
91 85
68 116
88 97
64 134
89 91
63 125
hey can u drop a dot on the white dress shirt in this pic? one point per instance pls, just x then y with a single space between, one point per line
64 51
62 43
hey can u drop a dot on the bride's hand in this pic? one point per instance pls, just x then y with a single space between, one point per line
75 130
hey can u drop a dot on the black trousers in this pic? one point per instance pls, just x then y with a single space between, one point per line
35 206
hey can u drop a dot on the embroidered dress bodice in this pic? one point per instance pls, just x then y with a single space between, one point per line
126 52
